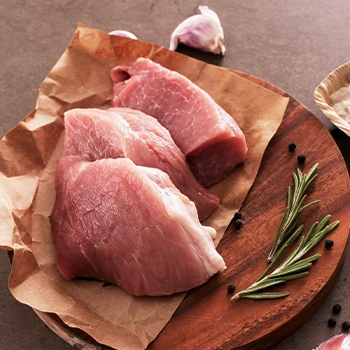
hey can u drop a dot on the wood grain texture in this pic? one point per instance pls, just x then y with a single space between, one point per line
206 319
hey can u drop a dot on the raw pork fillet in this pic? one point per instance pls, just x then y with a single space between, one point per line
127 133
129 225
209 137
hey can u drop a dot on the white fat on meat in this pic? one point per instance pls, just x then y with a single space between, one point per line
129 225
175 202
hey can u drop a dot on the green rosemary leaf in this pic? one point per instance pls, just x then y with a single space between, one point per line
323 223
307 184
267 295
310 259
291 239
331 227
292 270
297 209
301 244
311 232
277 242
289 201
308 179
313 170
290 224
295 205
319 236
262 285
299 186
312 173
296 185
309 204
295 276
281 251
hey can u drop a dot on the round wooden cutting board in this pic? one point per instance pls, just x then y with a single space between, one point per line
206 319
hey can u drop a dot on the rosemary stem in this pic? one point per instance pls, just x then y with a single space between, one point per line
294 207
293 267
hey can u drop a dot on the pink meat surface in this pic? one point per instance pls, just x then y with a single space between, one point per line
129 225
209 137
127 133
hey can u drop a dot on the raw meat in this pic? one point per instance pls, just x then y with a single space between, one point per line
127 133
210 138
129 225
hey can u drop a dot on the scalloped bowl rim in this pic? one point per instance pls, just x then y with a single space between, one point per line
338 78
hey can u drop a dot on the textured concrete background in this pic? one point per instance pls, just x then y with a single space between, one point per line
291 44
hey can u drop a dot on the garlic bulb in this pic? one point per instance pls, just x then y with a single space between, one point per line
203 32
124 33
339 342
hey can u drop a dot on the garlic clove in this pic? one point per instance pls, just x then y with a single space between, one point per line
203 32
338 342
124 33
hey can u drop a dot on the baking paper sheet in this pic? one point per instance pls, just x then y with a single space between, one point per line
28 158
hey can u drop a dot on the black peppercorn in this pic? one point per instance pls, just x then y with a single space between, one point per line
345 326
292 147
231 288
238 215
336 308
332 322
301 158
328 243
238 223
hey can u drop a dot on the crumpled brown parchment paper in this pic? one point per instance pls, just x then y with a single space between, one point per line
28 157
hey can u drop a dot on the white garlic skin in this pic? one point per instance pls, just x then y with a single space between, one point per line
123 33
203 32
340 342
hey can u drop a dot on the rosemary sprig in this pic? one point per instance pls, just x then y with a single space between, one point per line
294 207
293 267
